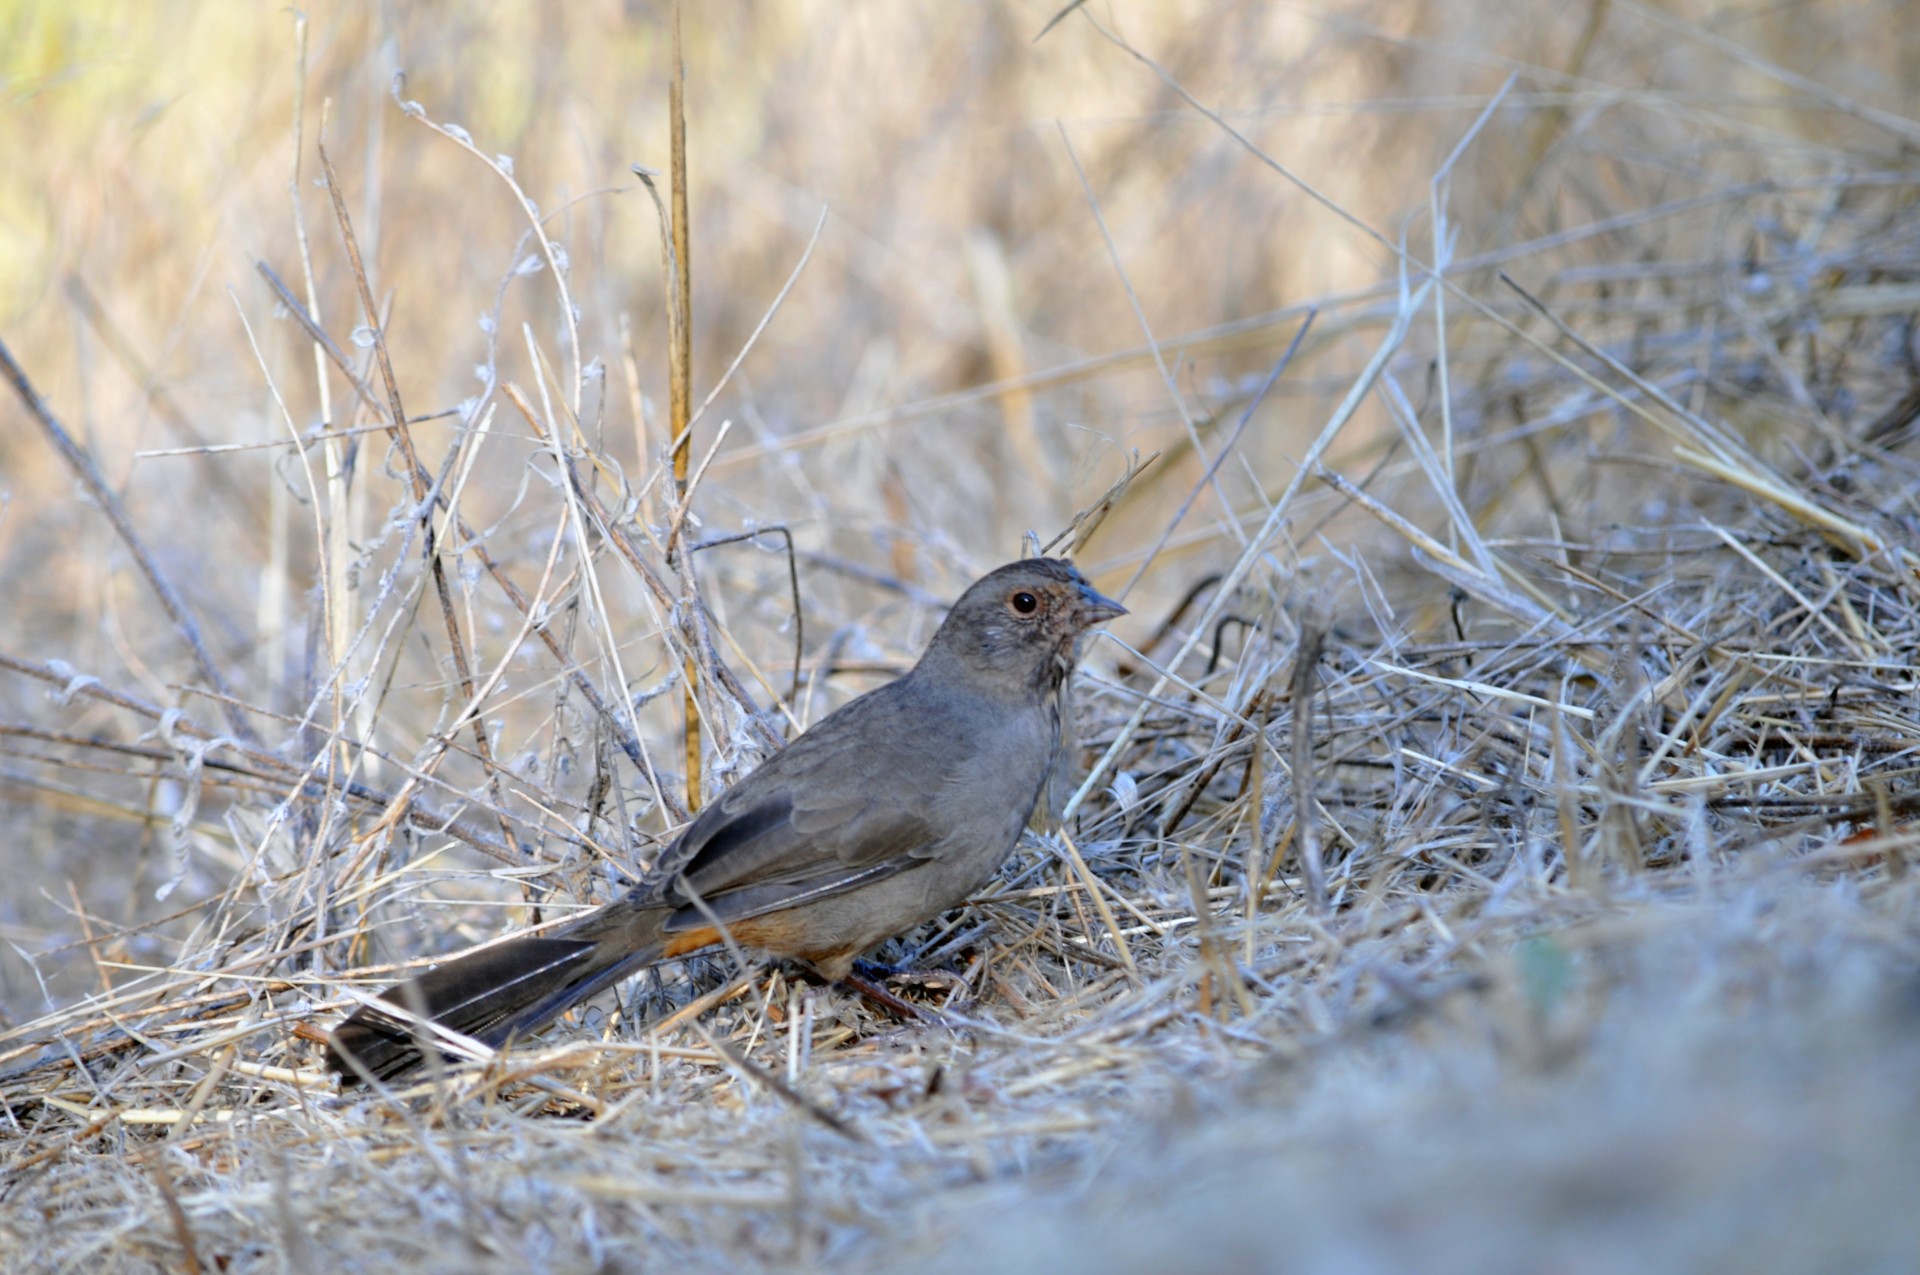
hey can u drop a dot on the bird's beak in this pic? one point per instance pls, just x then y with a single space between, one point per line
1097 608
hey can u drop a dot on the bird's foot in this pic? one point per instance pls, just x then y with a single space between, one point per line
877 995
912 975
869 980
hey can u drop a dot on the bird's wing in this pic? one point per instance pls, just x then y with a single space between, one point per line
844 804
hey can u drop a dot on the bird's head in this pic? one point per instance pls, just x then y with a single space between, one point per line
1021 624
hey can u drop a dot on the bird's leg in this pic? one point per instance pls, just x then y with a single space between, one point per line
864 979
877 995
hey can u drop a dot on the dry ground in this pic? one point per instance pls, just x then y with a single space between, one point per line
1489 845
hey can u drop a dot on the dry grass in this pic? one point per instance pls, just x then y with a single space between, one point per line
1490 842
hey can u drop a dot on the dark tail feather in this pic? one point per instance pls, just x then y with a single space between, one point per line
509 989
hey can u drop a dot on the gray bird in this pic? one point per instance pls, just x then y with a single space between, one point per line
891 810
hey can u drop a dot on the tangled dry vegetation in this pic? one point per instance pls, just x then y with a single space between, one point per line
1528 745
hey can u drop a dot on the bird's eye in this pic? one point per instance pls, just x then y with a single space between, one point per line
1024 603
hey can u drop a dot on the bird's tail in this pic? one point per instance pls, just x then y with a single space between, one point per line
505 990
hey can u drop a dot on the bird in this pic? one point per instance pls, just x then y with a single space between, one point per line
889 811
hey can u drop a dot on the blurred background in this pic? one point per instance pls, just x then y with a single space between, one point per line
1036 259
1014 266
